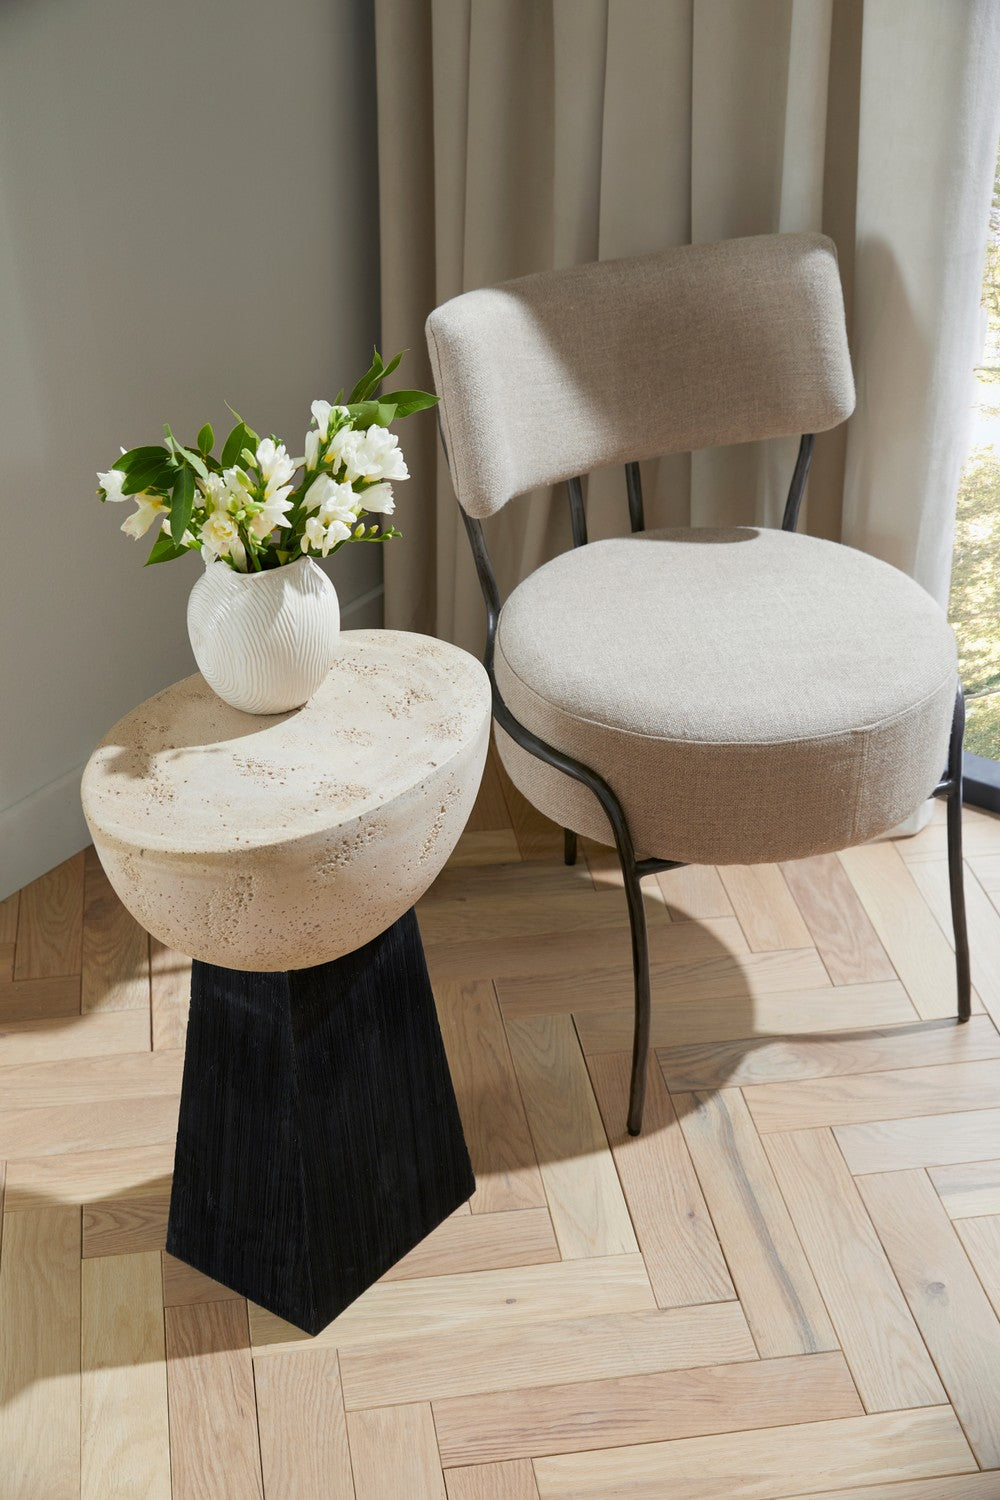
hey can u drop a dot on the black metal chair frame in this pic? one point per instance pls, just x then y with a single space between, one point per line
633 869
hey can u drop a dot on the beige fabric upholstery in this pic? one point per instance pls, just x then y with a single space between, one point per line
566 371
750 695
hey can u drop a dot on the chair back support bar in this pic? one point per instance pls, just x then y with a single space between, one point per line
556 374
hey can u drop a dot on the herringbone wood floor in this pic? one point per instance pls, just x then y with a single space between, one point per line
789 1285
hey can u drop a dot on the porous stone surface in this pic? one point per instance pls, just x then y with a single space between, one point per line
284 841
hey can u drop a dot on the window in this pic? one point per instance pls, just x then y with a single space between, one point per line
975 585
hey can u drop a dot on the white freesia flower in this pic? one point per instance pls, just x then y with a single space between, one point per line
381 456
274 513
322 412
111 483
276 469
378 499
220 537
312 448
326 491
148 509
314 536
344 451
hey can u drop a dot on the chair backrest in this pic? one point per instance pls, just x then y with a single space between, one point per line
559 373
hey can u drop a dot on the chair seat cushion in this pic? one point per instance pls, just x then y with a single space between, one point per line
750 695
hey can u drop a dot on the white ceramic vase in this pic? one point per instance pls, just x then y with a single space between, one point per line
264 641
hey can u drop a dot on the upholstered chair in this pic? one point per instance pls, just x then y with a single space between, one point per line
730 695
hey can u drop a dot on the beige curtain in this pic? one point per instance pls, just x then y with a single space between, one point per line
517 135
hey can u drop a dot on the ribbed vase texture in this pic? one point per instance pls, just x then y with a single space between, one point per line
264 641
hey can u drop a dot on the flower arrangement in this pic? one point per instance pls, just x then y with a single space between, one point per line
245 508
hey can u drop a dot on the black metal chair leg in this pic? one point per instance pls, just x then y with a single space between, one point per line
640 974
955 869
569 846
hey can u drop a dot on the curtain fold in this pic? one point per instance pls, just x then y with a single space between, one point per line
518 135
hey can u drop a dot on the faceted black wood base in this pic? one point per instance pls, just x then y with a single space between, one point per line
319 1139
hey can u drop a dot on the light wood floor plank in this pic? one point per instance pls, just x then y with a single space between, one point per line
981 1238
765 907
126 1226
521 911
952 1310
505 883
81 1081
584 1195
983 920
483 1300
39 999
183 1286
513 1481
40 1355
969 1189
769 1269
669 1214
85 1176
596 967
537 837
466 1362
873 1323
8 919
170 995
838 923
481 1242
605 868
740 980
764 1465
491 847
97 1035
115 948
213 1426
59 1128
694 892
50 923
503 1156
957 1487
303 1428
395 1454
797 1012
980 835
906 928
780 1059
932 1141
902 1094
125 1443
637 1409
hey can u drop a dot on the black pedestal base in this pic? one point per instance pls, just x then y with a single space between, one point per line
318 1139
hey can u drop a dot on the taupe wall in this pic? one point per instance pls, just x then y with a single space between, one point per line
188 216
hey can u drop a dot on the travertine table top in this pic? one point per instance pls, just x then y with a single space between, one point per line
281 841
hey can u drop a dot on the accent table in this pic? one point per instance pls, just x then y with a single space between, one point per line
318 1138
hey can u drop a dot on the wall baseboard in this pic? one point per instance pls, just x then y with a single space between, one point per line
48 826
40 831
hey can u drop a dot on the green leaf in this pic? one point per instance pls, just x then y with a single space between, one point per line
165 549
154 473
363 413
385 412
407 402
368 381
195 460
206 438
138 455
181 504
235 442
